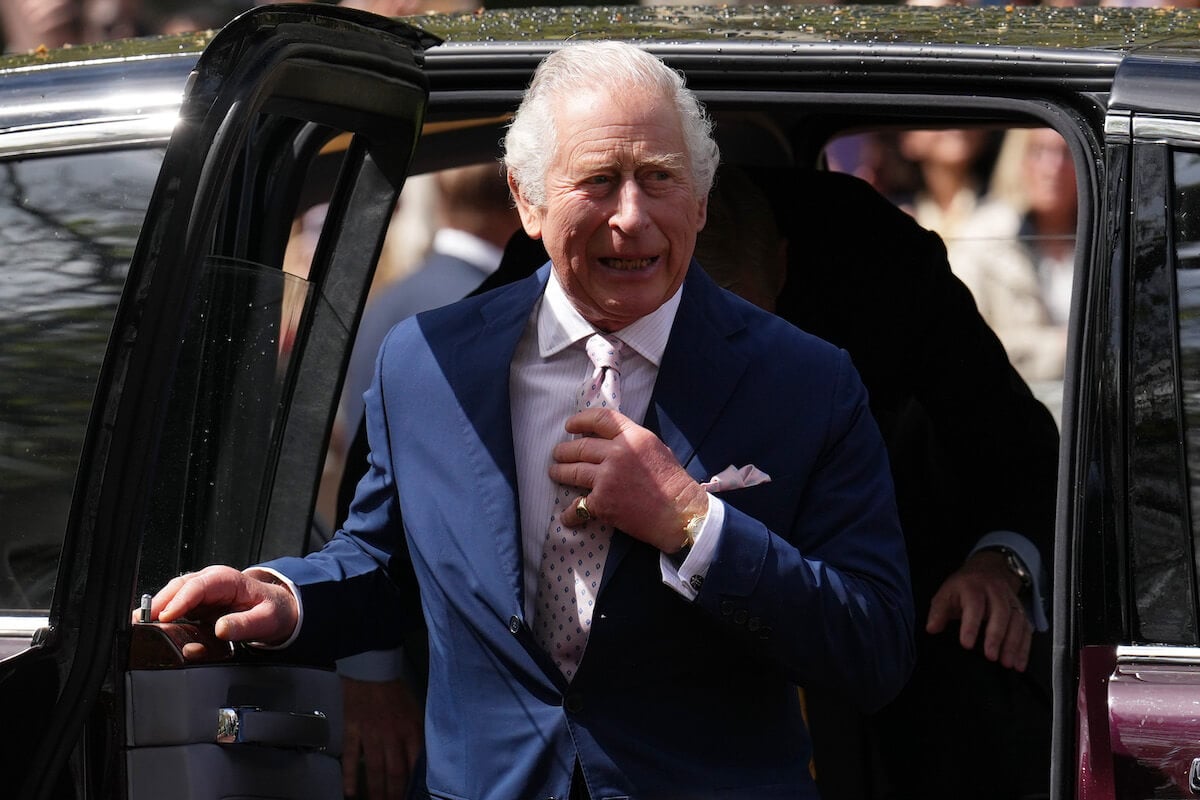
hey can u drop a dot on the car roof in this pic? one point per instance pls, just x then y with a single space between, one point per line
1113 29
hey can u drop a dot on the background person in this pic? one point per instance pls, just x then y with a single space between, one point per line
1021 257
798 579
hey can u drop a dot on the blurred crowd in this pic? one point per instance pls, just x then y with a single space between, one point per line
1006 204
1004 201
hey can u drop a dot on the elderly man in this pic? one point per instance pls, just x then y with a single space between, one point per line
623 581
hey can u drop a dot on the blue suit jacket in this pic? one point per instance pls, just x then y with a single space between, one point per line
673 699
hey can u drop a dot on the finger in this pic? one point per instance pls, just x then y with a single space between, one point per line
164 595
571 516
1015 653
580 474
943 609
973 609
261 623
178 598
585 449
194 651
1002 612
604 423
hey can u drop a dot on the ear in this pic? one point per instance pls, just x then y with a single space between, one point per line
531 215
702 215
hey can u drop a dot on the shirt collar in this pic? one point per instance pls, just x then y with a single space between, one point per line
468 247
560 325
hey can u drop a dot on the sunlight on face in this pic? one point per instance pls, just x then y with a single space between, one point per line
621 212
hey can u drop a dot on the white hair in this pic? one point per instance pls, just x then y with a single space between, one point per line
531 139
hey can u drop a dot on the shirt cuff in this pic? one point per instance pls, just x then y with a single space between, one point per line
269 575
687 578
1035 604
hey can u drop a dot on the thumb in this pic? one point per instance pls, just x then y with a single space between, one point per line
272 620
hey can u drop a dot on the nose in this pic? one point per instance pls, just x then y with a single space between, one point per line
629 216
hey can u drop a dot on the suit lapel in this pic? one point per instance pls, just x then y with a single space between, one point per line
475 357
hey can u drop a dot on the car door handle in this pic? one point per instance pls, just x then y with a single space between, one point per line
246 725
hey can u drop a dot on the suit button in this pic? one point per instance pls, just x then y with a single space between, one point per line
573 702
726 608
514 624
754 624
739 617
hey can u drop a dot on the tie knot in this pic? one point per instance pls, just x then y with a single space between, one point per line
605 352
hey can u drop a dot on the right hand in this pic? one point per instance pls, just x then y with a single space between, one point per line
244 606
983 594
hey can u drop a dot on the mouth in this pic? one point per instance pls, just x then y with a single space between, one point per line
629 264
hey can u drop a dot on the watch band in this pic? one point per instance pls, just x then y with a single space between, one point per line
1015 565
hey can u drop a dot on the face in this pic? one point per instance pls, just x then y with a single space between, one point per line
1049 172
621 213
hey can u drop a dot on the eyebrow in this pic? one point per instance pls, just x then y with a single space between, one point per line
672 161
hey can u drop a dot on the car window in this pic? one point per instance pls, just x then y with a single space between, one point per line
1163 401
68 226
1185 216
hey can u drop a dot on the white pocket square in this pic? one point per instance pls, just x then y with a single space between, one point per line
736 478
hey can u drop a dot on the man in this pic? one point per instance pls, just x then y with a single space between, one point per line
674 675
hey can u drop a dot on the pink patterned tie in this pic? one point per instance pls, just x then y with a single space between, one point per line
573 558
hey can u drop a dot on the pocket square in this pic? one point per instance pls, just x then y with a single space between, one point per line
736 478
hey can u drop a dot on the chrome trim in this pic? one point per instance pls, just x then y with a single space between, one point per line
1157 653
229 725
1117 125
240 725
154 129
1161 129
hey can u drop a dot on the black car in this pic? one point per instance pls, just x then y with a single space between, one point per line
168 387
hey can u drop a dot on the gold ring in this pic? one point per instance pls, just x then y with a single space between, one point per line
581 510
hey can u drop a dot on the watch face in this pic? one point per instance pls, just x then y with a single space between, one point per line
1018 568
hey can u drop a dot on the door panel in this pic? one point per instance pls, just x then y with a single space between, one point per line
229 729
1135 652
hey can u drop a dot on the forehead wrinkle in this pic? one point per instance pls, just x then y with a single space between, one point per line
608 161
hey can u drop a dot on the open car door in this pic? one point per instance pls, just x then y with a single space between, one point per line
1129 653
212 415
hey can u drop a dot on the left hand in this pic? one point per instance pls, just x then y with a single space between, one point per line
385 725
984 589
635 482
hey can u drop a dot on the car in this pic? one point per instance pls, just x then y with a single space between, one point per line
168 389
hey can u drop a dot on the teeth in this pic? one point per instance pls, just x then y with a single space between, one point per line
628 263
